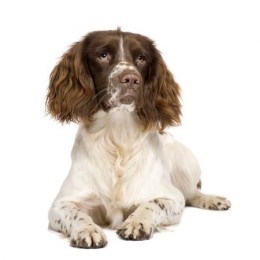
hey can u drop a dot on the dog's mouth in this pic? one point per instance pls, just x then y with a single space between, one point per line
120 97
127 100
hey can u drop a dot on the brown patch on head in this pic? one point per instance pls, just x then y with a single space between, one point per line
79 84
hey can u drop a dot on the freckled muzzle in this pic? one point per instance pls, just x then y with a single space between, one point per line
124 81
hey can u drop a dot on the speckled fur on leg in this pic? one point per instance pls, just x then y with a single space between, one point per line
206 201
67 218
141 224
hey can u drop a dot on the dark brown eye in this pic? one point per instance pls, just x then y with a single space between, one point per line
141 59
104 57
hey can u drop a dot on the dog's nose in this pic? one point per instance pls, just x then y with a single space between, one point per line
130 80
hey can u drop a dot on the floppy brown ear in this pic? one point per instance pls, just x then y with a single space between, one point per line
71 94
160 106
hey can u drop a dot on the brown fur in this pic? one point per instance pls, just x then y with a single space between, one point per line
160 100
71 89
77 83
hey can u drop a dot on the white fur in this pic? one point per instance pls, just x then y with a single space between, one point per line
116 162
118 169
122 50
119 68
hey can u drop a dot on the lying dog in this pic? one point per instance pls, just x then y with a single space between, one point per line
126 172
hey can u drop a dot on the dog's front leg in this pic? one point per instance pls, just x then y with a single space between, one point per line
147 217
66 217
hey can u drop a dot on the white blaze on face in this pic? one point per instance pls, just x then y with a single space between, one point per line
121 49
114 88
121 66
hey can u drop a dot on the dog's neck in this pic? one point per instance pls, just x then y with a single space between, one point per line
121 125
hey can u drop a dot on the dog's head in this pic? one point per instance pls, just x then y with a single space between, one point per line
110 69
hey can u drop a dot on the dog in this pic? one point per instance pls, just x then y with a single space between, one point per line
127 172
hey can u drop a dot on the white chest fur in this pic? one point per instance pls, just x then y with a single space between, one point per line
124 156
117 162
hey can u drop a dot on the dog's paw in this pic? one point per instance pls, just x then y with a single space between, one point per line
217 203
91 236
135 230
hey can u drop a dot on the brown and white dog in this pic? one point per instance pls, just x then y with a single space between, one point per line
127 172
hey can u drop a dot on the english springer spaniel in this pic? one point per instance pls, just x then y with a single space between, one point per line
127 172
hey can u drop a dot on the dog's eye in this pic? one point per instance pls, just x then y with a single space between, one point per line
141 59
104 57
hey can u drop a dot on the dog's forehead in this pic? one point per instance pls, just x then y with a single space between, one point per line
117 39
137 40
102 40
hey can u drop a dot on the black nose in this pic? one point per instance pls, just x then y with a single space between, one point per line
130 80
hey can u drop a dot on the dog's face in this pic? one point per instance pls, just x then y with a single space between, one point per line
119 65
110 69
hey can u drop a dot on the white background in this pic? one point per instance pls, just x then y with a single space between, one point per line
212 48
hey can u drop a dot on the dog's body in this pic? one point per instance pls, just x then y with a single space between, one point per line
127 172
